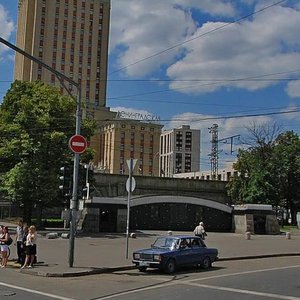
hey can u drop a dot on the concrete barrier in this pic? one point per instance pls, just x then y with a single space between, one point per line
288 235
65 235
133 235
248 235
52 235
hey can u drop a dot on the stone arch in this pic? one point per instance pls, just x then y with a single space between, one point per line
180 199
179 213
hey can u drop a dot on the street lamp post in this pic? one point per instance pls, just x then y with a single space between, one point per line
74 200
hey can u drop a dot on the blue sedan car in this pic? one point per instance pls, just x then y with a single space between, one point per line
171 252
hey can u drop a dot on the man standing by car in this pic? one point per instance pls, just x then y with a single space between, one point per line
200 231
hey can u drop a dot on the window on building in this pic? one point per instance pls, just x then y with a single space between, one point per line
188 162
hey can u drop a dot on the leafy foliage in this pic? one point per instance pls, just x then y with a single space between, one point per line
36 123
269 172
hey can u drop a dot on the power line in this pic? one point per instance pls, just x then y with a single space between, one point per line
226 117
197 37
209 84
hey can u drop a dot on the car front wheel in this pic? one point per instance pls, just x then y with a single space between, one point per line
142 269
170 266
206 263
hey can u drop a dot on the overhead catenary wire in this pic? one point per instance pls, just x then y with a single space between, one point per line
195 119
241 79
199 36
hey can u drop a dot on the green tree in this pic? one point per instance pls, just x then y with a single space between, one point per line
268 170
286 163
36 122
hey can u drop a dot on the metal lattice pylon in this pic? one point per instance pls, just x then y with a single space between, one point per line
214 151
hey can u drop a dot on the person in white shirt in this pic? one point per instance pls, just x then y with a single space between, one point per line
19 240
200 231
30 247
3 246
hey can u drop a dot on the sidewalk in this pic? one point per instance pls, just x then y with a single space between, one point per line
101 253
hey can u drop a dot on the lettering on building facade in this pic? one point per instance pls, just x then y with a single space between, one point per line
137 116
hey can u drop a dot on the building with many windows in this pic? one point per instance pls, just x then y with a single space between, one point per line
179 151
70 36
123 139
224 174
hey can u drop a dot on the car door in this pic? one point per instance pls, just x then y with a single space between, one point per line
184 255
198 251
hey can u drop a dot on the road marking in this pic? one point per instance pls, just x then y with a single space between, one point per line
34 291
220 288
191 282
244 273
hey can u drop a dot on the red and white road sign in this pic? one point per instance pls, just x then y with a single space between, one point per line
78 143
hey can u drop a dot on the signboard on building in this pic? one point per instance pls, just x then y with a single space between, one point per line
137 116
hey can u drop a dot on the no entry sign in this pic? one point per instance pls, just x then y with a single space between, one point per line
78 143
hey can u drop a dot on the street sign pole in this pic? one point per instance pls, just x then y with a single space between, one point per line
74 200
131 163
128 205
61 77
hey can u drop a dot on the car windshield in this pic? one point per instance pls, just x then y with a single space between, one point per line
166 242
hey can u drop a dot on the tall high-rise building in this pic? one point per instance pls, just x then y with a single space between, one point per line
179 151
70 36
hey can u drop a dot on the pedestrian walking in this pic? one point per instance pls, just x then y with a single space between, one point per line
4 240
200 231
30 247
23 252
19 240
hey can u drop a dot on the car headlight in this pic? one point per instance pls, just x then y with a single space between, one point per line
157 257
136 256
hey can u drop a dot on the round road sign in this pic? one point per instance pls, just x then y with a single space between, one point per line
78 143
133 184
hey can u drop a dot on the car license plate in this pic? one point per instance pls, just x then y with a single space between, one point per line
144 263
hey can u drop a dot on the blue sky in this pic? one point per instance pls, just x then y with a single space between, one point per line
190 62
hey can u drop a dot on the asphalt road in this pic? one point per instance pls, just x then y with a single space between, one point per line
272 278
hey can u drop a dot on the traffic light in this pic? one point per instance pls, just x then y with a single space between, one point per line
86 175
65 179
86 192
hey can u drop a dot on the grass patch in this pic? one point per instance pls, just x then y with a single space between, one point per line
51 223
287 228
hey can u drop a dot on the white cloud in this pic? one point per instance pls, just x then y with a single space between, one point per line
6 27
268 44
293 116
214 8
152 26
293 89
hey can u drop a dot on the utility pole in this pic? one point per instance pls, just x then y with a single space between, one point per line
74 200
214 151
214 155
231 138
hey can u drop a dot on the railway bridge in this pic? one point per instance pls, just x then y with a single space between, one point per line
157 203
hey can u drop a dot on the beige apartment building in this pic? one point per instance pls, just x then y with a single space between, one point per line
70 36
123 139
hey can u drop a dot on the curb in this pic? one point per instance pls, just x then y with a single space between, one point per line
76 273
95 271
